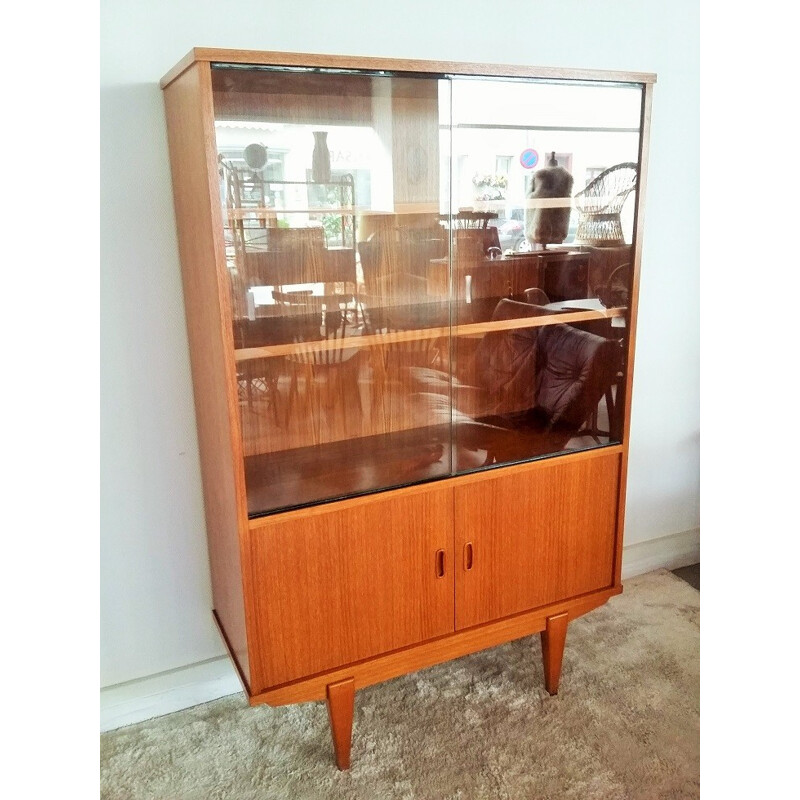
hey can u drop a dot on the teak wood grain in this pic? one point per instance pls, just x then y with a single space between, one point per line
554 637
258 57
350 583
435 651
538 535
293 98
340 700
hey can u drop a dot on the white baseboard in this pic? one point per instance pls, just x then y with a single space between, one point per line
667 552
156 695
166 692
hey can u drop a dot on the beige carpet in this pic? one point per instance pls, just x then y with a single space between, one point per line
625 724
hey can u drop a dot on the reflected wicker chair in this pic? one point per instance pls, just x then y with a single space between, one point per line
600 204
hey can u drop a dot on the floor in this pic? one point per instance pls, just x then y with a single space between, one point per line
690 574
625 724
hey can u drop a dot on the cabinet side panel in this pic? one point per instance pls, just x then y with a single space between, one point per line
538 535
352 582
192 156
633 312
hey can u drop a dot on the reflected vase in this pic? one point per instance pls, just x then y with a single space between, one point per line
321 158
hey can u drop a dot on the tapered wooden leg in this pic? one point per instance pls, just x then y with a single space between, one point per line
341 700
553 637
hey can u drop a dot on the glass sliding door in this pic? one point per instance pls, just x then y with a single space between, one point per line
544 195
428 275
330 185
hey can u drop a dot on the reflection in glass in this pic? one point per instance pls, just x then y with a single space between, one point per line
431 304
533 385
328 241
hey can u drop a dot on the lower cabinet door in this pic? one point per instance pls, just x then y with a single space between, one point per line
533 535
346 581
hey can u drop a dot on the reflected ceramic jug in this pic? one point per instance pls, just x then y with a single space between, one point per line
321 158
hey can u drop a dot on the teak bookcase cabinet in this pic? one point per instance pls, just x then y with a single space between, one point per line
410 451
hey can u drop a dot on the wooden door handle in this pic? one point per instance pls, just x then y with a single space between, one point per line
440 564
468 556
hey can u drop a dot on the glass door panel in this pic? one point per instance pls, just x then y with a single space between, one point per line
542 207
429 275
331 190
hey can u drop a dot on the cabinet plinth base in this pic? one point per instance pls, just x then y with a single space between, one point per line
553 638
427 654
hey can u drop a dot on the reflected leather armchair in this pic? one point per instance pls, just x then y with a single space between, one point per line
531 391
574 369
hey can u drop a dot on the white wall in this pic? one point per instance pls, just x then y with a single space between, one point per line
155 591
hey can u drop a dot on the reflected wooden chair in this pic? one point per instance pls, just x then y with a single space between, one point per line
258 379
467 218
325 366
479 224
406 347
615 293
384 265
258 386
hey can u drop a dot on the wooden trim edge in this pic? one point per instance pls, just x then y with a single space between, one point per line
436 651
237 667
421 334
462 479
190 58
288 59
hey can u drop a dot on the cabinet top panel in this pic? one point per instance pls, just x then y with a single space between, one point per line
267 58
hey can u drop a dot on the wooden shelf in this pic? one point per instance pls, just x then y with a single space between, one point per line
395 337
266 212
